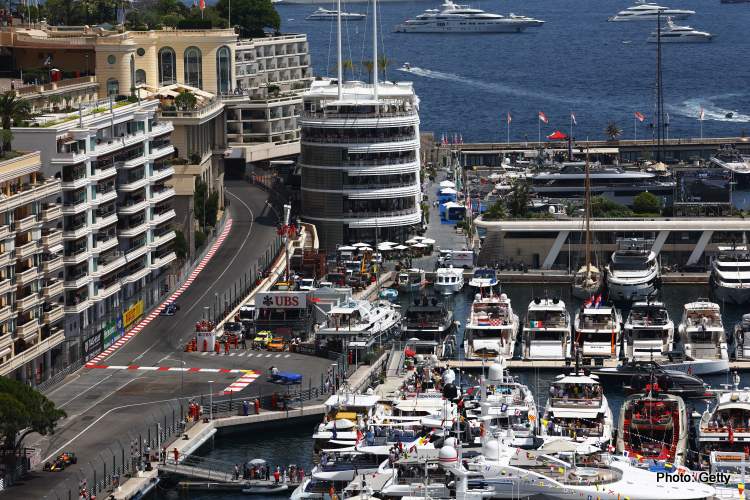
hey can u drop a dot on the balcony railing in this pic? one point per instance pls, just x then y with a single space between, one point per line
333 114
26 223
27 276
54 315
28 328
27 302
53 289
51 213
382 213
27 250
6 286
360 140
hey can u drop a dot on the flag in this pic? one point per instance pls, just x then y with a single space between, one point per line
543 117
461 138
640 116
573 118
508 118
202 4
702 114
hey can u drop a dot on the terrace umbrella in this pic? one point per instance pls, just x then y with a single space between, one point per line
411 241
385 247
419 245
360 244
428 241
448 191
400 247
346 249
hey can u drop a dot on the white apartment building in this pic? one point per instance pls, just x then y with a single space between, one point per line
113 161
31 265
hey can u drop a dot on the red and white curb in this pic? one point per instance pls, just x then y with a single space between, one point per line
242 382
153 314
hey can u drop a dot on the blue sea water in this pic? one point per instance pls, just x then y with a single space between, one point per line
576 62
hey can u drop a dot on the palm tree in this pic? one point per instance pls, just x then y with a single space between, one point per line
612 131
347 65
369 67
383 63
12 110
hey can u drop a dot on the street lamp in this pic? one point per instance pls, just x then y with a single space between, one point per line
284 223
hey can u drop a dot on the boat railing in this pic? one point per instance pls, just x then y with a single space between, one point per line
568 402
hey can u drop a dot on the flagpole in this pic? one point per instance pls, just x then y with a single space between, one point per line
539 122
701 120
635 128
507 130
571 125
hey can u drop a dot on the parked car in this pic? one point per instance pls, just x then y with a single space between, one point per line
231 327
277 344
262 339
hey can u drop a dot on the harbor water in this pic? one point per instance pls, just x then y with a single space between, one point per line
577 61
292 444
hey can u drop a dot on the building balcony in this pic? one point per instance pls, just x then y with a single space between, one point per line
26 277
6 313
75 283
77 233
102 198
136 275
133 185
103 292
33 352
158 219
7 258
4 231
133 230
29 193
6 286
76 256
159 262
81 306
28 329
53 265
75 183
161 174
54 315
105 173
136 252
75 207
26 223
71 158
51 213
53 289
104 245
102 222
27 250
164 238
132 163
105 146
161 152
161 128
133 208
28 302
110 266
52 238
160 196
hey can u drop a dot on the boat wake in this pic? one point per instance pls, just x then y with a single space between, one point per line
712 111
495 88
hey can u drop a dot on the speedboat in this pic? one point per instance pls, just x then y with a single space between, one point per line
324 14
389 294
547 330
483 278
449 280
491 328
702 335
577 410
635 376
633 272
410 280
726 426
648 331
427 319
644 11
671 33
741 333
406 66
730 274
653 427
597 332
456 18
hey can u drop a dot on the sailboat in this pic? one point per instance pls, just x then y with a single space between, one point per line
587 281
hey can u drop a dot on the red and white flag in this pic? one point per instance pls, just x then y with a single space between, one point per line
703 114
508 118
573 118
202 4
543 117
640 116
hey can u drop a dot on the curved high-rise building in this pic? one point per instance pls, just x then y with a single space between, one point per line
360 162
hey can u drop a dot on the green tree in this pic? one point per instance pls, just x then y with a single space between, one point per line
612 131
186 100
252 16
604 207
200 199
518 200
646 203
497 211
180 245
24 410
369 66
12 111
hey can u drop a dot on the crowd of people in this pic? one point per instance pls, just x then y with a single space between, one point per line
263 472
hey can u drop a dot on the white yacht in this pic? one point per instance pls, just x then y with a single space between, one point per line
597 330
644 11
483 278
726 426
359 323
456 18
491 328
345 414
702 335
324 14
577 410
410 280
648 331
730 274
672 33
633 272
741 338
547 330
449 280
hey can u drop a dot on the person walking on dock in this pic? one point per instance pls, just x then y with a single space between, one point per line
236 472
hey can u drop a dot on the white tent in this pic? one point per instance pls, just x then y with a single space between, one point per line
346 249
447 184
360 244
448 191
419 245
428 241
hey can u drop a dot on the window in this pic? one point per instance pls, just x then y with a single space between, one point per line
223 70
113 87
140 77
141 51
193 67
167 66
111 59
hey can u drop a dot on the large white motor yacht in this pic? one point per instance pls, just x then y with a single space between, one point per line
547 330
672 33
644 11
726 426
633 272
456 18
597 330
649 331
449 280
577 410
730 274
324 14
491 328
702 335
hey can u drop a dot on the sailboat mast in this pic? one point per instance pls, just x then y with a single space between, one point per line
587 185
